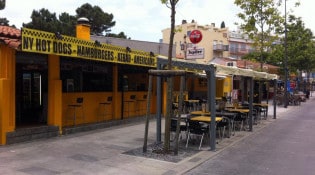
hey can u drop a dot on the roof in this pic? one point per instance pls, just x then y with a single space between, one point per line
10 36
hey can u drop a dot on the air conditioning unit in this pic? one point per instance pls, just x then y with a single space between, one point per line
231 63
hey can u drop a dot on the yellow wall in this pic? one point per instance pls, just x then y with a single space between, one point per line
93 111
7 92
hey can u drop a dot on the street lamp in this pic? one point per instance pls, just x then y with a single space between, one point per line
285 57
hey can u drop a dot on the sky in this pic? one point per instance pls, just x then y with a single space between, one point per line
144 20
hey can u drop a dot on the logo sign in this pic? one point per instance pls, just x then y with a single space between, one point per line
193 53
195 36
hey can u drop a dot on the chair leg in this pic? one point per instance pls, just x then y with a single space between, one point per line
201 141
223 132
188 136
242 125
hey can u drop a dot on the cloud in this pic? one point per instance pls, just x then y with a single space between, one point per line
144 20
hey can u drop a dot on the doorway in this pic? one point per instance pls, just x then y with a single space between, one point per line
31 94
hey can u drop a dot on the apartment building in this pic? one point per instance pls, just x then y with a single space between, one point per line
239 44
214 43
217 42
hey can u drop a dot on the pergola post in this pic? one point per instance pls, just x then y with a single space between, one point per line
251 94
211 105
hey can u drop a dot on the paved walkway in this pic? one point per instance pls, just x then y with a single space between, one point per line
102 152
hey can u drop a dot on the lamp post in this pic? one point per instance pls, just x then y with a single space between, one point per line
285 57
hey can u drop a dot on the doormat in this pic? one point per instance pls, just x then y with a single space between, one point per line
156 151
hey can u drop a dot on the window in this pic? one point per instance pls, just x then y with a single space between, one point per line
85 76
243 47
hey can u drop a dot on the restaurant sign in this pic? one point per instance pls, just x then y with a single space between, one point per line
49 43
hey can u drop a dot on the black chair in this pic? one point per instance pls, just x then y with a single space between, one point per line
182 127
222 126
230 118
239 120
197 129
78 104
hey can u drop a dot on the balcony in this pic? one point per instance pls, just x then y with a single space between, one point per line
220 47
240 51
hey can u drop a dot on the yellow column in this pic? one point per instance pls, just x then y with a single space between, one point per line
7 92
54 92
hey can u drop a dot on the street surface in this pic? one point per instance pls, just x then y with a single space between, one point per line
284 147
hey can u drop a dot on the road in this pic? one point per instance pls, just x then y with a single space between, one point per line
285 147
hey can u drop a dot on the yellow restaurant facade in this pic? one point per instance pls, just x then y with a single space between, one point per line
41 83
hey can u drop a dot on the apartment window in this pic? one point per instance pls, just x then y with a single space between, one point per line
243 47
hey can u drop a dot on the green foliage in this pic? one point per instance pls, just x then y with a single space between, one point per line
255 56
261 21
4 22
43 20
67 24
100 21
300 47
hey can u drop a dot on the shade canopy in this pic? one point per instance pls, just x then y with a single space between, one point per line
201 68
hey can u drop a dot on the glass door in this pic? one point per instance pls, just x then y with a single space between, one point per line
32 108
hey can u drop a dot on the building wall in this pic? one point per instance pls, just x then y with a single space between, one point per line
7 91
239 44
211 36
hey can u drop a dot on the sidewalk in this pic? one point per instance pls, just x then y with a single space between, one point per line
102 151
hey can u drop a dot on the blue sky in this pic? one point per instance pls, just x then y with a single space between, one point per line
145 19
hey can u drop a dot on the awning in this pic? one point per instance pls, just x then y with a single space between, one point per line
221 69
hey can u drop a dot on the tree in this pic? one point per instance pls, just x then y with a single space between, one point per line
67 24
261 20
300 45
119 35
2 4
300 48
172 5
5 22
222 24
43 20
100 21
